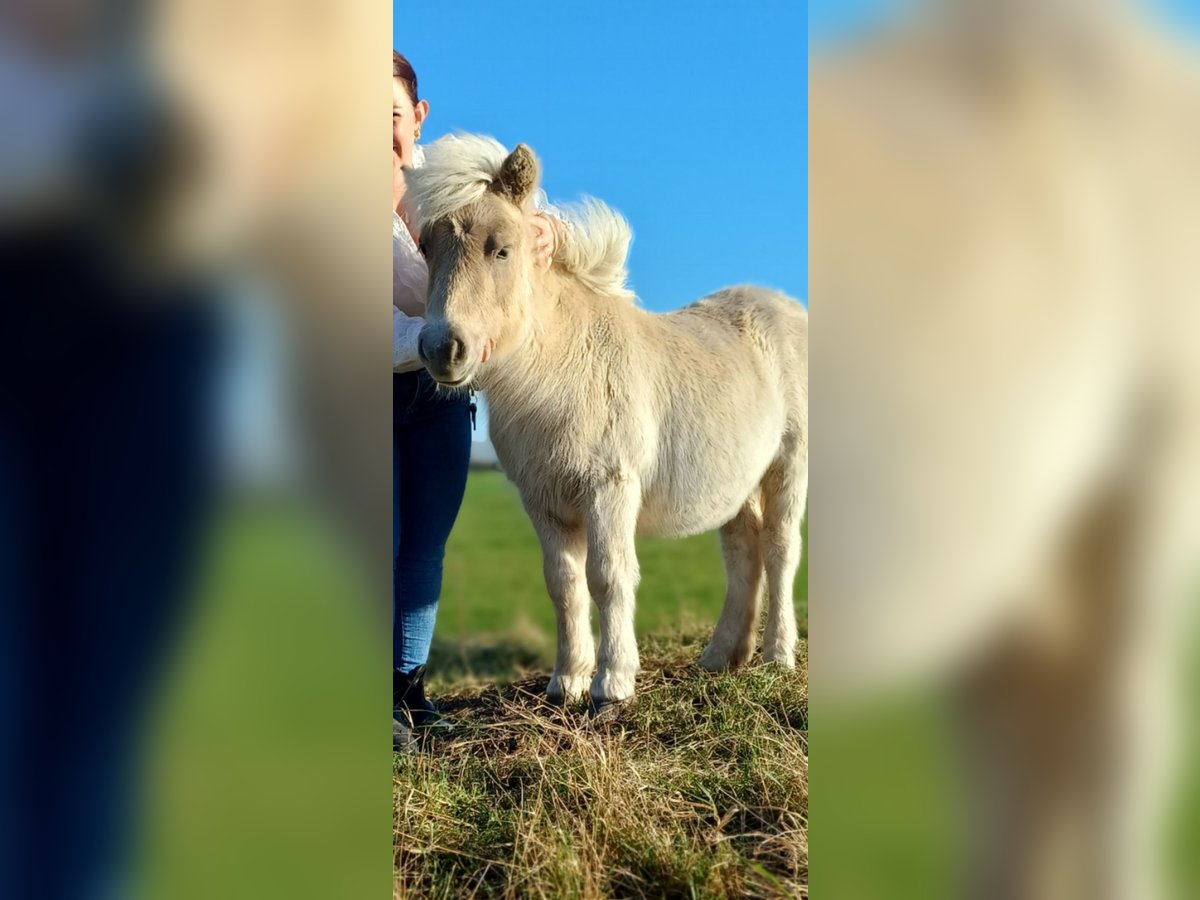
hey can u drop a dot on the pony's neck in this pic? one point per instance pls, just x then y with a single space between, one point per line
560 319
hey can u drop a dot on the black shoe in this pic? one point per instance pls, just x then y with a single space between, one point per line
413 716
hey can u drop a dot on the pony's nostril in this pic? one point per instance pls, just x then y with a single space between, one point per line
457 351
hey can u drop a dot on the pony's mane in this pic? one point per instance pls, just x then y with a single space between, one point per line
597 247
457 171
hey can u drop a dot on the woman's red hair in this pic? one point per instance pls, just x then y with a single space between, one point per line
402 69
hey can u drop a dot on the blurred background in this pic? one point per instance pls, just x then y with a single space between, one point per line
1003 295
195 601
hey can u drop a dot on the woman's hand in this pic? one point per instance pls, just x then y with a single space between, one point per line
547 238
397 180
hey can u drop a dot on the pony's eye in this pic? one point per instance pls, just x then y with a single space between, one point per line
502 253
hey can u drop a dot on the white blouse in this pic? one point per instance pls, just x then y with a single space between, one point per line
409 280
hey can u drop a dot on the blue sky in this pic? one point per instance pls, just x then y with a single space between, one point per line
689 118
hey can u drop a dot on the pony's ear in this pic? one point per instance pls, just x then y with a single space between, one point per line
518 175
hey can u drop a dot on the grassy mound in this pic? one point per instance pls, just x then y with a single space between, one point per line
698 788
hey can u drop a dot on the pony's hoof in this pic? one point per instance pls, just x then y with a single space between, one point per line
714 660
784 656
719 660
565 689
603 711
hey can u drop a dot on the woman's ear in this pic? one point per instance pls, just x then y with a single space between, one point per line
420 111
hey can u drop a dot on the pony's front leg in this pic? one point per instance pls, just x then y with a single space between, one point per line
612 576
564 550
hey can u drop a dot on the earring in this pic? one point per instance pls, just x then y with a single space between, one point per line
417 135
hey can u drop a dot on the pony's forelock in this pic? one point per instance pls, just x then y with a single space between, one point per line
457 172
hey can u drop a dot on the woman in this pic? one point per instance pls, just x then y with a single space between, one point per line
431 433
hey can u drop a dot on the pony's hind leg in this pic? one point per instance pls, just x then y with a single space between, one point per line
785 491
732 643
564 554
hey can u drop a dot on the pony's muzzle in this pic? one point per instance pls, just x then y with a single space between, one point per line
444 353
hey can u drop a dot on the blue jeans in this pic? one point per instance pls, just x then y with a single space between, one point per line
431 451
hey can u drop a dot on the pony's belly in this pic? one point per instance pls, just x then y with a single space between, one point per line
700 484
659 522
674 510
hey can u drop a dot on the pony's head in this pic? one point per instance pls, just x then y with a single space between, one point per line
471 199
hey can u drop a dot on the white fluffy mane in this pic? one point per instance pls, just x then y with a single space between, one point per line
459 168
456 172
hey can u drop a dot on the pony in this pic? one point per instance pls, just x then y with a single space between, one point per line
611 420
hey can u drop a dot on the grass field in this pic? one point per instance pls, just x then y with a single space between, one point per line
699 789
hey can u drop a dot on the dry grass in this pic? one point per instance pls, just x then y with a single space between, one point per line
699 788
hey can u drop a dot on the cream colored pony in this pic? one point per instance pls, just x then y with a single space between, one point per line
612 420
